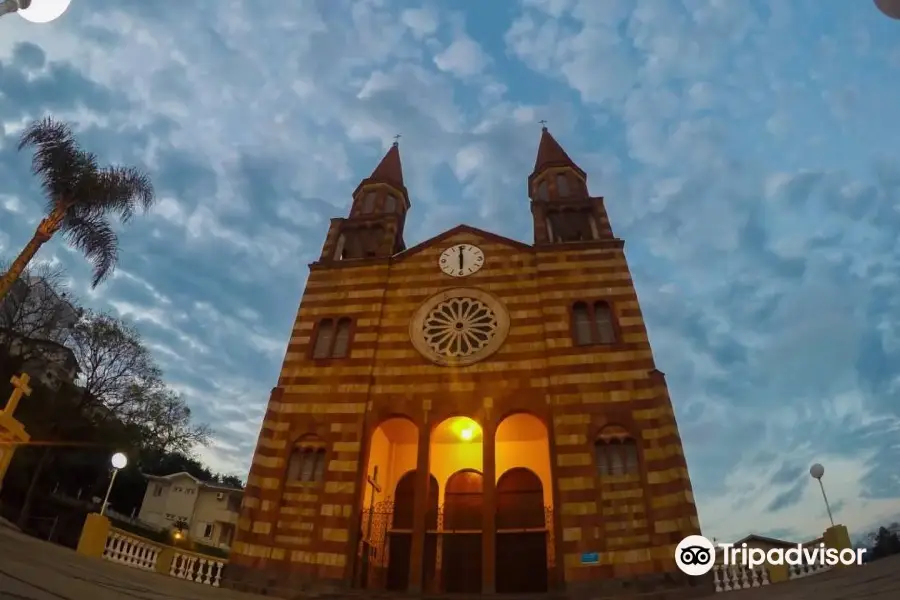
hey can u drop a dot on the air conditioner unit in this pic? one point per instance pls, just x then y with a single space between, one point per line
220 496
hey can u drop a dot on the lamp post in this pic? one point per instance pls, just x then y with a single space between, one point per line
118 461
817 471
890 8
11 6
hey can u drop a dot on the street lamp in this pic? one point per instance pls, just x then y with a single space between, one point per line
118 461
817 471
11 6
890 8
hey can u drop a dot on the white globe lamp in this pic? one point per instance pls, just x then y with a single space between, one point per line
118 461
890 8
817 471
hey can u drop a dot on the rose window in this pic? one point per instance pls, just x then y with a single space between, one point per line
459 327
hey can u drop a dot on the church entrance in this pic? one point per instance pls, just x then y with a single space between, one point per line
521 533
461 543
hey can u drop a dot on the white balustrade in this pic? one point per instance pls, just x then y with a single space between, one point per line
198 569
127 550
729 578
801 571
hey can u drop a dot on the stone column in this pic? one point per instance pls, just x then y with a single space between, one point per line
421 507
489 521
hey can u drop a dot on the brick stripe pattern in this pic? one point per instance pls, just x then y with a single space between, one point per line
633 521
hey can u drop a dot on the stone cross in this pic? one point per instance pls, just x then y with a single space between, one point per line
20 388
543 123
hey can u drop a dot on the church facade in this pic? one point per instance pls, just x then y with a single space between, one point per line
471 414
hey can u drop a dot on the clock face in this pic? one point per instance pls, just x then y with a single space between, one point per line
461 260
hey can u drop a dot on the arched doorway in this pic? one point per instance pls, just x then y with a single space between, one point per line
521 533
387 497
461 546
401 530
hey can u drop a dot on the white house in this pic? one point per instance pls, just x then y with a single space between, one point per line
210 511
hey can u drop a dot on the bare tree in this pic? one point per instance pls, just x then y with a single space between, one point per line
37 309
112 359
162 417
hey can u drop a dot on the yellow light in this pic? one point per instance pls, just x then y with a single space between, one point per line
177 535
467 434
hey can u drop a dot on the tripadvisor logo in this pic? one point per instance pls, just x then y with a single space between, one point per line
695 555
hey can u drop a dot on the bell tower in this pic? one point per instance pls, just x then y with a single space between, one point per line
374 227
563 210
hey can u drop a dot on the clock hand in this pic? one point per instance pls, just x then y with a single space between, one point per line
460 258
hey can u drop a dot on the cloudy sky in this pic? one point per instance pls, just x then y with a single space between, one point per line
747 151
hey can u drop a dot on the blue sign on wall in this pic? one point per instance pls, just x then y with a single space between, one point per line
590 558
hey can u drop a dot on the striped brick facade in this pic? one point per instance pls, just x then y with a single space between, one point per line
293 533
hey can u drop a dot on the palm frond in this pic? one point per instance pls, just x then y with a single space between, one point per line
56 155
121 190
91 233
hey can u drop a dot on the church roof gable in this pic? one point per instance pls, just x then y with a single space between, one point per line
456 231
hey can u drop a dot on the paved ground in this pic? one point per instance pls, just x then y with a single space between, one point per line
34 570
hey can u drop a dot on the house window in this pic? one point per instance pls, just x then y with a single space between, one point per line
307 460
208 530
189 492
593 323
177 488
369 203
542 191
157 490
331 338
390 204
616 452
359 242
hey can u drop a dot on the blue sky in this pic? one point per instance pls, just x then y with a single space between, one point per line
747 151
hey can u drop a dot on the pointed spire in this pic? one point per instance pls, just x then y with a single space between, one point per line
551 154
389 171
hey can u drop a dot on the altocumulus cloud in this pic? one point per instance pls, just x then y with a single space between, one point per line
741 147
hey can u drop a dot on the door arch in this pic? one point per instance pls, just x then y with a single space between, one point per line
521 546
463 515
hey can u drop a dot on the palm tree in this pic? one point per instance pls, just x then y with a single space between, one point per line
81 197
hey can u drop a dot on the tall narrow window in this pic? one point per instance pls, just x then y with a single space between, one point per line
319 466
542 192
562 186
339 247
341 338
369 203
550 237
324 338
390 204
308 468
581 324
603 321
616 452
630 455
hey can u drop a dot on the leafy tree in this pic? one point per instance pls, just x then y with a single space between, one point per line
81 197
887 543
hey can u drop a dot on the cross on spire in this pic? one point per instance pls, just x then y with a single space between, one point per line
543 123
397 139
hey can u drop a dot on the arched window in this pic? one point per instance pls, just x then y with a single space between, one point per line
332 338
341 338
542 191
339 247
369 203
324 339
603 322
593 324
307 460
616 452
390 204
581 324
562 186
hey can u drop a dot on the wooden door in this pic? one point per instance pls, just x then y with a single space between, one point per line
400 535
461 545
521 559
